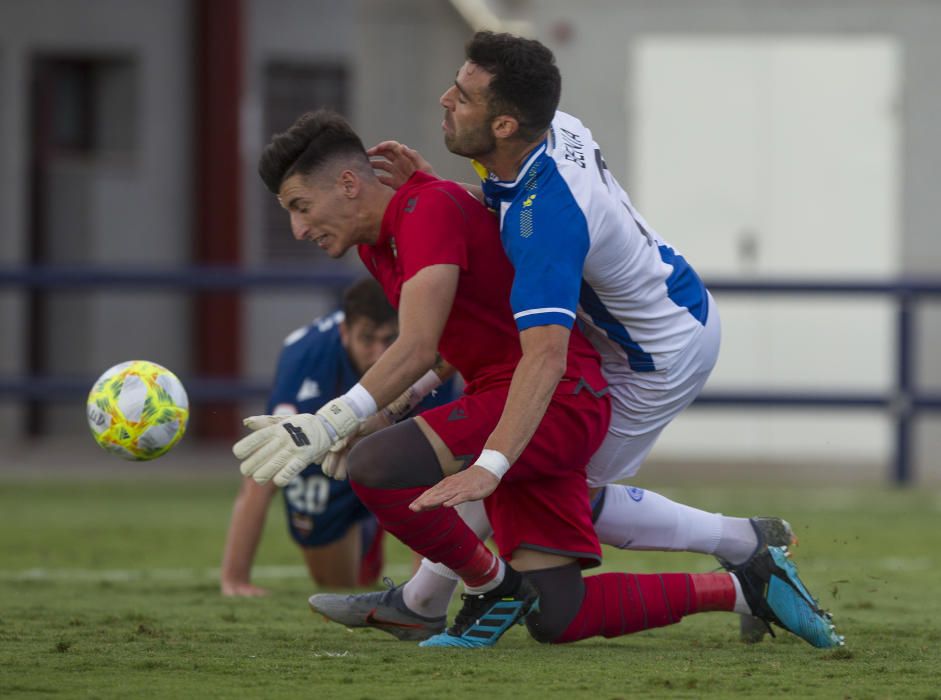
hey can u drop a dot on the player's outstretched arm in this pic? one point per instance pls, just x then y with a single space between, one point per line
241 540
280 447
534 381
545 352
424 307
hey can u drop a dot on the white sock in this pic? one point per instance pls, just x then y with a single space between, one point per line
475 515
492 583
738 541
633 518
429 591
740 605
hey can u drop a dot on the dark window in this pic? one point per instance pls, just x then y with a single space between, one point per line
83 121
88 104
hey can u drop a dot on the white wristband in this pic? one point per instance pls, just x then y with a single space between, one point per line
494 462
361 401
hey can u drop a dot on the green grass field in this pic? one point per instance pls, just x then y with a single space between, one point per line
108 590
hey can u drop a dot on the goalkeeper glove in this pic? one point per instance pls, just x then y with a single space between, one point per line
281 447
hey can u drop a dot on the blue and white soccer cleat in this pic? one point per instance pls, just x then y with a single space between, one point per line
771 532
775 593
485 617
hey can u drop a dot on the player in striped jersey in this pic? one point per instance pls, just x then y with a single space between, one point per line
581 251
436 251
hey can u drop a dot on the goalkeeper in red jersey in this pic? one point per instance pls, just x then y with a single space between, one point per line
438 255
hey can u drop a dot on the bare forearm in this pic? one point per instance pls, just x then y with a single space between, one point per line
534 381
245 530
424 306
399 367
537 374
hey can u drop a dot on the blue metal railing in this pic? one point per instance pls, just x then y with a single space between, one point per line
903 403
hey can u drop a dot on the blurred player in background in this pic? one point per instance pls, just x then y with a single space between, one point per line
339 539
437 253
564 218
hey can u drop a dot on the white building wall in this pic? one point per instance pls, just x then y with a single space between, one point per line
137 211
777 157
591 41
402 53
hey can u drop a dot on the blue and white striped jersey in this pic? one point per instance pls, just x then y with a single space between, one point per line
581 250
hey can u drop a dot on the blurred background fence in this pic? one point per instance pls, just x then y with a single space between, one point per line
902 404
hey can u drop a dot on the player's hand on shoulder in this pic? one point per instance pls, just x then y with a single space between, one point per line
396 163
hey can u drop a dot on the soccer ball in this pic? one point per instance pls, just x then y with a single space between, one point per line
137 410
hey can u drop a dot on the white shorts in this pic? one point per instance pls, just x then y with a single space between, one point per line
644 403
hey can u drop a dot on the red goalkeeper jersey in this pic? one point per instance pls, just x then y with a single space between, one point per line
434 222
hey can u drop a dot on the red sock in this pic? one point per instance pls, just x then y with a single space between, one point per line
440 534
617 604
370 564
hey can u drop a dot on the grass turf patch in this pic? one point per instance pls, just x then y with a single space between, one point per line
109 590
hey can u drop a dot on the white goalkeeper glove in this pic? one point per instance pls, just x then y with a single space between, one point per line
281 447
334 463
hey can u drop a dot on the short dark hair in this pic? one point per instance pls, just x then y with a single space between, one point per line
365 299
526 82
314 139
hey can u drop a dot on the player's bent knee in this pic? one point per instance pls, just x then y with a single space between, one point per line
539 631
366 463
397 457
561 590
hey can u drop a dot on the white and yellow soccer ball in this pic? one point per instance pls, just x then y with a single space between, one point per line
138 410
